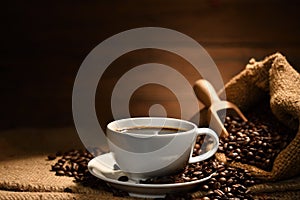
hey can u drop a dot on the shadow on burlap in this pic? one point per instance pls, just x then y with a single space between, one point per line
25 171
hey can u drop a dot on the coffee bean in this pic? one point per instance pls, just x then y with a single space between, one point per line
80 159
230 147
265 144
51 157
69 173
250 153
240 134
237 158
55 167
187 179
223 174
221 148
197 173
217 185
59 153
225 145
227 189
222 180
67 157
123 178
68 190
233 154
213 179
232 138
197 146
60 173
205 187
219 192
257 157
230 180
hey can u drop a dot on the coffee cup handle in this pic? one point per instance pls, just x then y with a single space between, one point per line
211 152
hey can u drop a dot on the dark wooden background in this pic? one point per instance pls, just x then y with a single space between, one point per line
44 42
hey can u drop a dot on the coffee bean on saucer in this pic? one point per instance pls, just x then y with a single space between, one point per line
123 178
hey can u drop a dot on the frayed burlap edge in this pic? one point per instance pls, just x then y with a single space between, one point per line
253 78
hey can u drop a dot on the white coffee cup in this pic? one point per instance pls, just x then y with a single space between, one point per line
144 155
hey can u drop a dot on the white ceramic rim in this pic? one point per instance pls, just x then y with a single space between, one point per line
109 126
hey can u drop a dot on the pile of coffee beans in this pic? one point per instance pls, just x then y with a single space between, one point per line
249 143
197 147
191 172
74 163
226 182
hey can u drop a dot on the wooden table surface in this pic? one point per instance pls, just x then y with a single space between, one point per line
44 43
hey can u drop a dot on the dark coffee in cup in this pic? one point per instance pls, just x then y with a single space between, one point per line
151 130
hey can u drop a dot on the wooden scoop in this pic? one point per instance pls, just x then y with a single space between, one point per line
216 108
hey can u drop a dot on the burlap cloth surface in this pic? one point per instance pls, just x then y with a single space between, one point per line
25 171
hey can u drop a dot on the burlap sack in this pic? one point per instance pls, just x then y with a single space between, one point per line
273 76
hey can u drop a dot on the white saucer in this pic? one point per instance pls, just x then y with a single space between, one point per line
136 189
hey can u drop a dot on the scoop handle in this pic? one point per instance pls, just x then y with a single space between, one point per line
205 92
